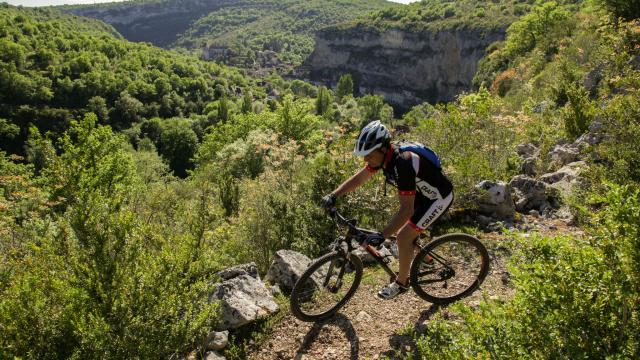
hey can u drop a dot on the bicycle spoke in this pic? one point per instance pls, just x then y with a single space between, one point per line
322 290
449 269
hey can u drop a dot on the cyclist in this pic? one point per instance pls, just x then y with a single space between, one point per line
424 194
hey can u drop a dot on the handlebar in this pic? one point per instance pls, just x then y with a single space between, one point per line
335 215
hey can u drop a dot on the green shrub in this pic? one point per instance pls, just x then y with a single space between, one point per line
471 141
628 9
574 298
578 113
92 279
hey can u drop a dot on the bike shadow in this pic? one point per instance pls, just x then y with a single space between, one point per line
404 344
338 320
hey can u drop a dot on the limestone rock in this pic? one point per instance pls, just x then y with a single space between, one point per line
245 269
213 355
528 167
562 155
495 199
442 63
566 178
527 150
531 194
286 268
218 340
243 299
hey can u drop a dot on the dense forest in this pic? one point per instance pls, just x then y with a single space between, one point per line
130 175
244 29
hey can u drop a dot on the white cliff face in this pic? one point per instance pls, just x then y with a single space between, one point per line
406 67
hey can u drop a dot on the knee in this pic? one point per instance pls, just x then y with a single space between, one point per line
407 235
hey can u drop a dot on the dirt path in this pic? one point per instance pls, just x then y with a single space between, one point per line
366 327
370 328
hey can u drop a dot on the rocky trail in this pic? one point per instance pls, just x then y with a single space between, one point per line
370 328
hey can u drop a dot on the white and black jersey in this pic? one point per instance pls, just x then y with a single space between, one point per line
415 175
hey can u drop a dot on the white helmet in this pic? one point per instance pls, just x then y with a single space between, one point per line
372 136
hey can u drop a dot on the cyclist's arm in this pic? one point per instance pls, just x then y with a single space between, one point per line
402 215
406 193
354 182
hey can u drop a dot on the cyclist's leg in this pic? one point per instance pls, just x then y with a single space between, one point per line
406 236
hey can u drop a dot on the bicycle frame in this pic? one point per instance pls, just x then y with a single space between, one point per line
354 233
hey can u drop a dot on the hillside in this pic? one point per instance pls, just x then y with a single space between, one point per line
56 67
425 51
138 185
236 32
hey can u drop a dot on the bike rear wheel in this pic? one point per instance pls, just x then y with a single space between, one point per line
326 286
449 268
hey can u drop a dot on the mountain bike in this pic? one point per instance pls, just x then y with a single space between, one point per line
446 269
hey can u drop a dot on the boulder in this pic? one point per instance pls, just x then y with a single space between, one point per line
562 155
528 167
566 178
213 355
592 79
217 340
531 194
286 268
366 258
541 107
527 150
245 269
494 199
243 299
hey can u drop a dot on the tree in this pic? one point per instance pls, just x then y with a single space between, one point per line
345 87
98 106
178 144
323 101
128 108
247 103
627 9
371 106
223 110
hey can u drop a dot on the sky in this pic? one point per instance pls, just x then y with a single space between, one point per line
63 2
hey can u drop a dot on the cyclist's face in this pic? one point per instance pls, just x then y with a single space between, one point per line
374 158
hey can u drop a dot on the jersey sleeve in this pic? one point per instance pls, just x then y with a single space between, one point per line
406 176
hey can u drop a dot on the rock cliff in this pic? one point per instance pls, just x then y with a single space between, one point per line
157 22
406 67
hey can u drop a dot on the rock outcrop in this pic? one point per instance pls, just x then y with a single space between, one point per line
406 67
286 268
531 194
243 297
494 199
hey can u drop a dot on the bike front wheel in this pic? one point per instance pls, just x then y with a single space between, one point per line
326 286
449 268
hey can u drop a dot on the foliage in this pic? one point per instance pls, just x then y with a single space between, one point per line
542 28
344 87
623 8
574 298
435 15
85 277
472 140
63 67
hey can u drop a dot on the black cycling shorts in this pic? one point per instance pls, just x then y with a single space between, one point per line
427 211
